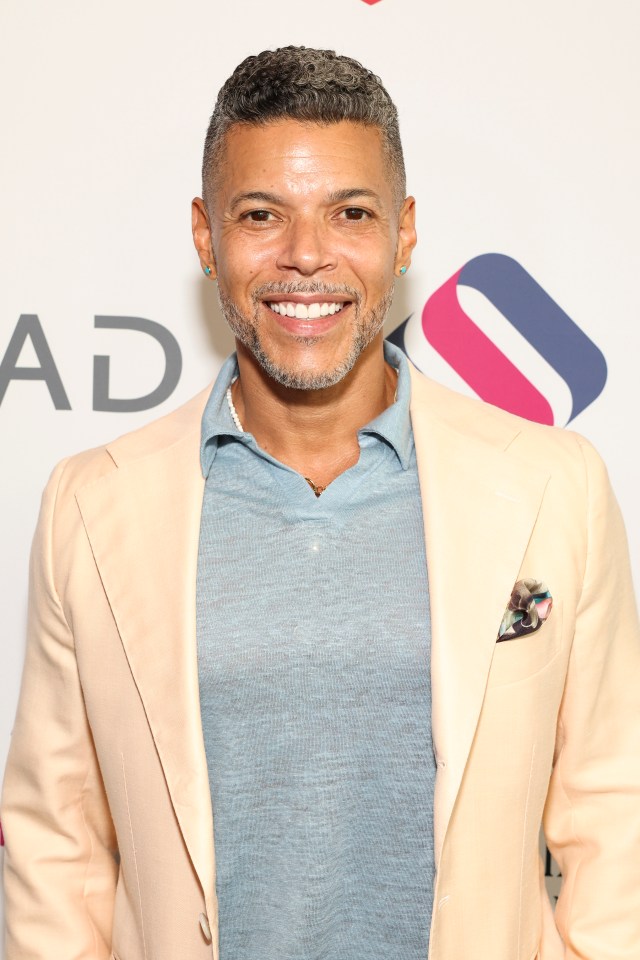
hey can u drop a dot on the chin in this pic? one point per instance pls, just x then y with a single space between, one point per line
302 377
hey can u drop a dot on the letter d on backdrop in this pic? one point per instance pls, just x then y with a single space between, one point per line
173 367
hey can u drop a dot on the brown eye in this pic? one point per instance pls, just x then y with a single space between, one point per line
355 213
258 216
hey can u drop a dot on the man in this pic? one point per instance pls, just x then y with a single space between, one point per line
235 646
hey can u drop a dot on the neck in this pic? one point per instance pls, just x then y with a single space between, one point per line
313 431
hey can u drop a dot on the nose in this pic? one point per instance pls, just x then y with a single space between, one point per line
305 248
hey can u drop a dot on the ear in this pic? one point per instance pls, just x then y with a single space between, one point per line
202 236
407 237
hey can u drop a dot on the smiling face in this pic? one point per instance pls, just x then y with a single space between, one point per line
305 236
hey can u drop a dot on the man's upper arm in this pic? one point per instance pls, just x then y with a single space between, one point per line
59 864
592 815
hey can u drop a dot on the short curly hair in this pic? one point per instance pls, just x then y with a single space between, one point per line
312 86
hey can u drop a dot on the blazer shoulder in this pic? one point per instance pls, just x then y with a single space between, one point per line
550 447
90 465
162 432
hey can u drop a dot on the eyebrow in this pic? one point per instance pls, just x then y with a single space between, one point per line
337 196
353 193
258 195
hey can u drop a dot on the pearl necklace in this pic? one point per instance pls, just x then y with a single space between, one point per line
232 409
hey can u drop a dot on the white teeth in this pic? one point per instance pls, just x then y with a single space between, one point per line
303 311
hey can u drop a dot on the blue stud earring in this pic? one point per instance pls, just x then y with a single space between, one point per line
403 270
207 270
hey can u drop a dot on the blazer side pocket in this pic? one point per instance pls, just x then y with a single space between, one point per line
520 659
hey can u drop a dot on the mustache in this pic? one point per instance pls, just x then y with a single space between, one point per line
305 286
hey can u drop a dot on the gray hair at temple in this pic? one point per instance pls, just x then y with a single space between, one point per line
312 86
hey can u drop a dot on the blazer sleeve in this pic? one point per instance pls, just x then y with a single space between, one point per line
60 862
592 814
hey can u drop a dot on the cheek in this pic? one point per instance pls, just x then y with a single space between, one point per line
374 272
371 254
239 253
239 269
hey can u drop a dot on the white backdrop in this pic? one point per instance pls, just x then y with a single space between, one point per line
520 126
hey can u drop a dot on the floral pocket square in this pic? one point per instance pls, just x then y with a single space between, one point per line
528 608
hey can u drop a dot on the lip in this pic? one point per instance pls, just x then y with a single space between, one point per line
306 328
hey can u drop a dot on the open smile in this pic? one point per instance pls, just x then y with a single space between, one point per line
306 315
306 311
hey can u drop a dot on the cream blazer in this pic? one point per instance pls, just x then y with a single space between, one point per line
106 805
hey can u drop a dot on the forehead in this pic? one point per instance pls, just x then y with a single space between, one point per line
286 155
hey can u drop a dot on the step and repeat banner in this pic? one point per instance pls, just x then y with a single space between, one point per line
522 142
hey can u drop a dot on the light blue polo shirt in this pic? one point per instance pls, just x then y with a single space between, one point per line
314 665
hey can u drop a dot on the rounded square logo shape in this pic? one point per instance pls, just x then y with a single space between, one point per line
530 310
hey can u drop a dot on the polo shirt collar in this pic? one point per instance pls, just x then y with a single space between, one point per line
393 425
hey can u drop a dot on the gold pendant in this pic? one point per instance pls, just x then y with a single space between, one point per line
316 489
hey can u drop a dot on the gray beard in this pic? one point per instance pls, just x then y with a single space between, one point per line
366 328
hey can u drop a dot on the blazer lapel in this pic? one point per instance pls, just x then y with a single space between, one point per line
479 507
143 522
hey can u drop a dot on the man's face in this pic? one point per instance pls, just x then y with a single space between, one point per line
306 235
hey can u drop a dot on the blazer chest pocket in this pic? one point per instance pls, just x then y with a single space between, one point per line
521 659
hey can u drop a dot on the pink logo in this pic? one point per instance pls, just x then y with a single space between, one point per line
534 315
